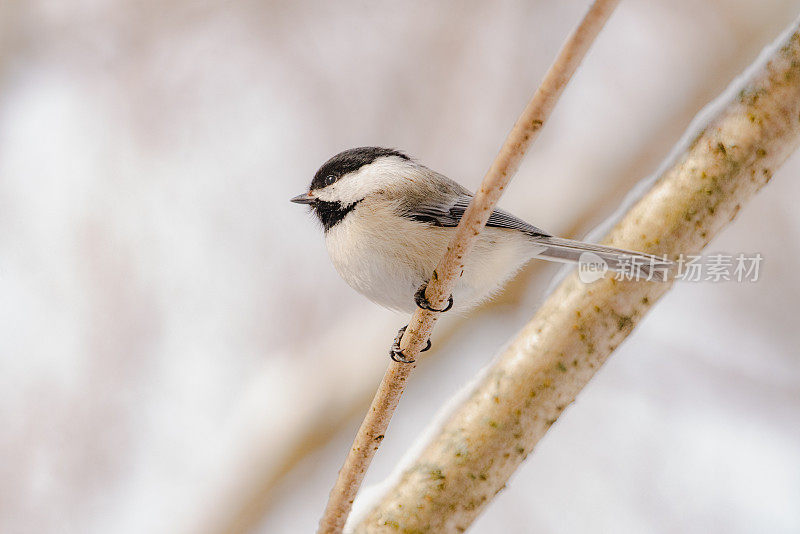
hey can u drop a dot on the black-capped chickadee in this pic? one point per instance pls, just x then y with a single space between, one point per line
388 220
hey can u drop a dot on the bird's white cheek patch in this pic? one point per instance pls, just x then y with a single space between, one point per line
328 194
343 191
382 174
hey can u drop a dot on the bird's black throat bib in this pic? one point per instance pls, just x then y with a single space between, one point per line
331 213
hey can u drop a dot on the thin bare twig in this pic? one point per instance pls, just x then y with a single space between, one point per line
377 419
526 389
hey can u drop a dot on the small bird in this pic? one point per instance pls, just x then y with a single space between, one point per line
388 220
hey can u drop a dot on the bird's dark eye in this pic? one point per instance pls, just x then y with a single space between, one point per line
330 179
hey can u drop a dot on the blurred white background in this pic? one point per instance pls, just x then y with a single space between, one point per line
177 354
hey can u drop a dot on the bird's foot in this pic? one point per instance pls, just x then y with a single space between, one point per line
397 354
422 300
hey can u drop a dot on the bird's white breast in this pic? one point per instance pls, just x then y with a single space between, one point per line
382 255
386 257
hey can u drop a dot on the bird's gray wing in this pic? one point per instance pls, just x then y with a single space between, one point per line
448 214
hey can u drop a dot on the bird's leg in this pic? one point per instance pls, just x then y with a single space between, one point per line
422 300
396 354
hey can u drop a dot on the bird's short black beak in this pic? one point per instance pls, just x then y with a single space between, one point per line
305 198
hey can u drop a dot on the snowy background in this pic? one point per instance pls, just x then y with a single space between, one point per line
177 354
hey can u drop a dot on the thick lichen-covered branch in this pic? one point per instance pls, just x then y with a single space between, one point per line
440 286
573 333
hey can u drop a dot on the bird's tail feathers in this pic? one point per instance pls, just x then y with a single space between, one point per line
631 265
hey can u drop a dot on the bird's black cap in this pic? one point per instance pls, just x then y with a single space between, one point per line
349 161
